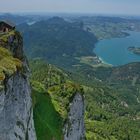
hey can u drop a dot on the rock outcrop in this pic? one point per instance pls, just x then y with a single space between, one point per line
74 128
16 113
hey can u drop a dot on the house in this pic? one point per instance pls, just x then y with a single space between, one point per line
6 26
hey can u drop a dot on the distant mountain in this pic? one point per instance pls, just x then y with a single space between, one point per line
22 18
57 41
17 19
108 27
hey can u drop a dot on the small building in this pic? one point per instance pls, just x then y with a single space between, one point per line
6 26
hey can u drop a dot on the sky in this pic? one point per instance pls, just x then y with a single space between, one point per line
126 7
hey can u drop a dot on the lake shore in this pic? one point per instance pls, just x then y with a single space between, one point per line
114 52
135 50
103 62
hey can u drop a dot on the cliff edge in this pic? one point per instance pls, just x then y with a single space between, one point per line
16 114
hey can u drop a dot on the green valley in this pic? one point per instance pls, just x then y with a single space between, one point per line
112 94
111 110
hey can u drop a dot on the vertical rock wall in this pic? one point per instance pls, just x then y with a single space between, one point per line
74 128
16 113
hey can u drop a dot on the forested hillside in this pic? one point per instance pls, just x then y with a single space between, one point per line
111 111
112 101
52 93
112 94
58 41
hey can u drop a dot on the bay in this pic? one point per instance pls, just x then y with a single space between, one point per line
115 50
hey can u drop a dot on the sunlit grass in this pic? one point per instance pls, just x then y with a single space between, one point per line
4 37
8 64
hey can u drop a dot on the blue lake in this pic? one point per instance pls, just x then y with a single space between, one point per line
115 51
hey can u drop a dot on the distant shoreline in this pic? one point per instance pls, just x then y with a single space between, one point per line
134 50
104 62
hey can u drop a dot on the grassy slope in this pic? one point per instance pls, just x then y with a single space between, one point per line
48 122
8 64
52 94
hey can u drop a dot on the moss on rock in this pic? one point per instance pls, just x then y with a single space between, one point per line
8 64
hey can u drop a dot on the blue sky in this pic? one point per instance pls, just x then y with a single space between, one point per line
130 7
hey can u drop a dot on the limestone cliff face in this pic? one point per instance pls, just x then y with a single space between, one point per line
74 128
16 114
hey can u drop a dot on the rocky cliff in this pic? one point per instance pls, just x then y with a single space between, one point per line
74 127
16 114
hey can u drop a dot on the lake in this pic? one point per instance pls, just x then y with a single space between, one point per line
115 51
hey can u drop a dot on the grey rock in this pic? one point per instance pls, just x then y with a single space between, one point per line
16 114
74 128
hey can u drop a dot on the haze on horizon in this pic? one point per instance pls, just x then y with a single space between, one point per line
125 7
